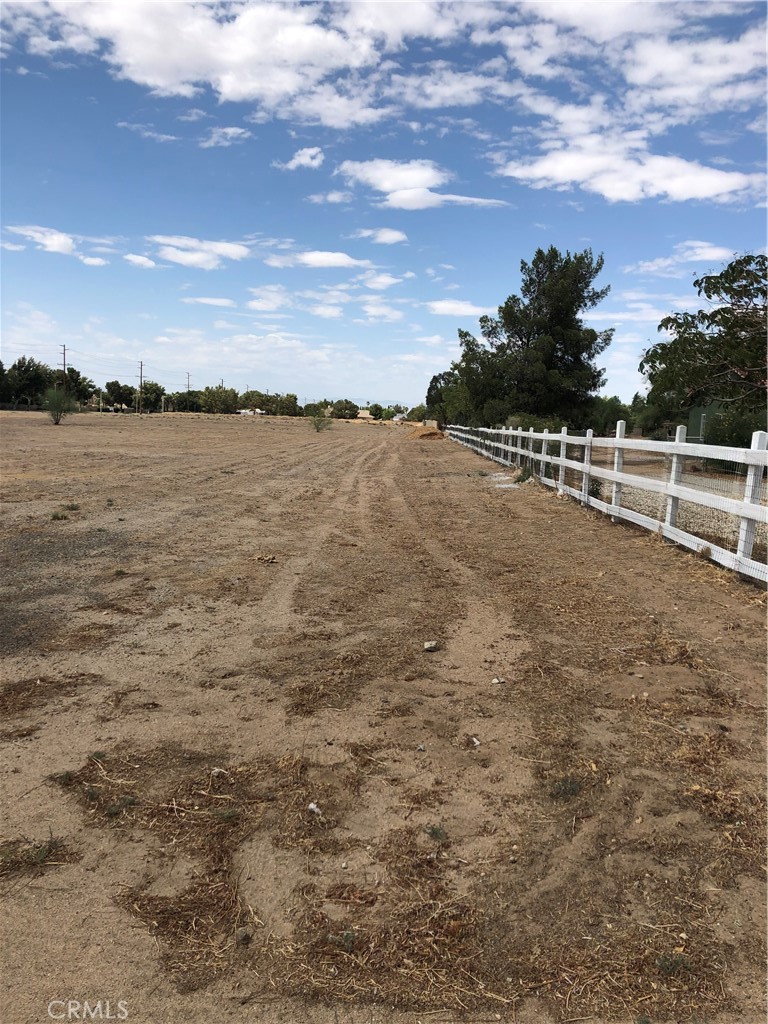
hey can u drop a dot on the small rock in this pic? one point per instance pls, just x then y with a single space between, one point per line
343 865
498 679
421 748
314 808
243 936
431 645
474 741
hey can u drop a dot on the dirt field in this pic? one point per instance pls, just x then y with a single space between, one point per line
236 786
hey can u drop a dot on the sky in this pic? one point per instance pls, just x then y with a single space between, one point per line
315 197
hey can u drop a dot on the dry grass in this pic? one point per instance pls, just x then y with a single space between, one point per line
24 858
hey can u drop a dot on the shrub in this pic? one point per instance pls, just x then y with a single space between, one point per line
321 422
57 404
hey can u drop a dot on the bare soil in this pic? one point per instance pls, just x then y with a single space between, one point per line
236 787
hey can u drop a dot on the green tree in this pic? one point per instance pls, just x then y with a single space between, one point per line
418 413
119 394
184 401
151 396
220 400
27 380
605 413
5 389
716 354
58 403
536 356
376 410
344 409
77 386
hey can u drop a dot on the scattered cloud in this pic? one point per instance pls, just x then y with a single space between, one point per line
12 246
393 175
146 131
47 239
408 184
683 252
193 114
382 236
331 197
311 157
269 298
327 312
458 307
139 261
375 309
210 302
194 252
379 282
92 261
224 137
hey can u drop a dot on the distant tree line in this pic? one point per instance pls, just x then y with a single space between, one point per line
26 384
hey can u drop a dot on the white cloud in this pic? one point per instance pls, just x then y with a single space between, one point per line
210 302
147 132
318 258
224 137
330 197
408 183
311 157
139 261
330 259
269 298
92 261
194 114
379 282
327 312
459 307
620 167
425 199
12 246
683 252
194 252
47 239
378 310
382 236
392 175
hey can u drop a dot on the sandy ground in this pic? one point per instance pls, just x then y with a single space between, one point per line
236 787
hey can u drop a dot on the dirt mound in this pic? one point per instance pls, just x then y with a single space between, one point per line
425 434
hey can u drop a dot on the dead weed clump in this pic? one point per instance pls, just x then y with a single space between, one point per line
196 806
19 697
23 857
410 942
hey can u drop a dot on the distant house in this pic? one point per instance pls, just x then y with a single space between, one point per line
400 417
364 414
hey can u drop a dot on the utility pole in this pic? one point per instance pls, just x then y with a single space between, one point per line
222 382
64 364
141 386
187 392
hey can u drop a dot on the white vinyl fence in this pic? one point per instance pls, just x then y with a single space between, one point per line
709 498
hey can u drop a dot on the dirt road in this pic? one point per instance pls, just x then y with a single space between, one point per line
236 787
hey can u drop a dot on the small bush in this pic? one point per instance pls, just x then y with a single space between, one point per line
321 422
57 516
58 404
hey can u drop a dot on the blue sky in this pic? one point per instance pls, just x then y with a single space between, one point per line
315 197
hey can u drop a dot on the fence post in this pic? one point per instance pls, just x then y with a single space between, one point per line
530 448
518 446
563 456
618 466
752 496
585 474
544 445
675 474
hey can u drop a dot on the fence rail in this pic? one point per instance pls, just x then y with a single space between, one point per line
711 499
